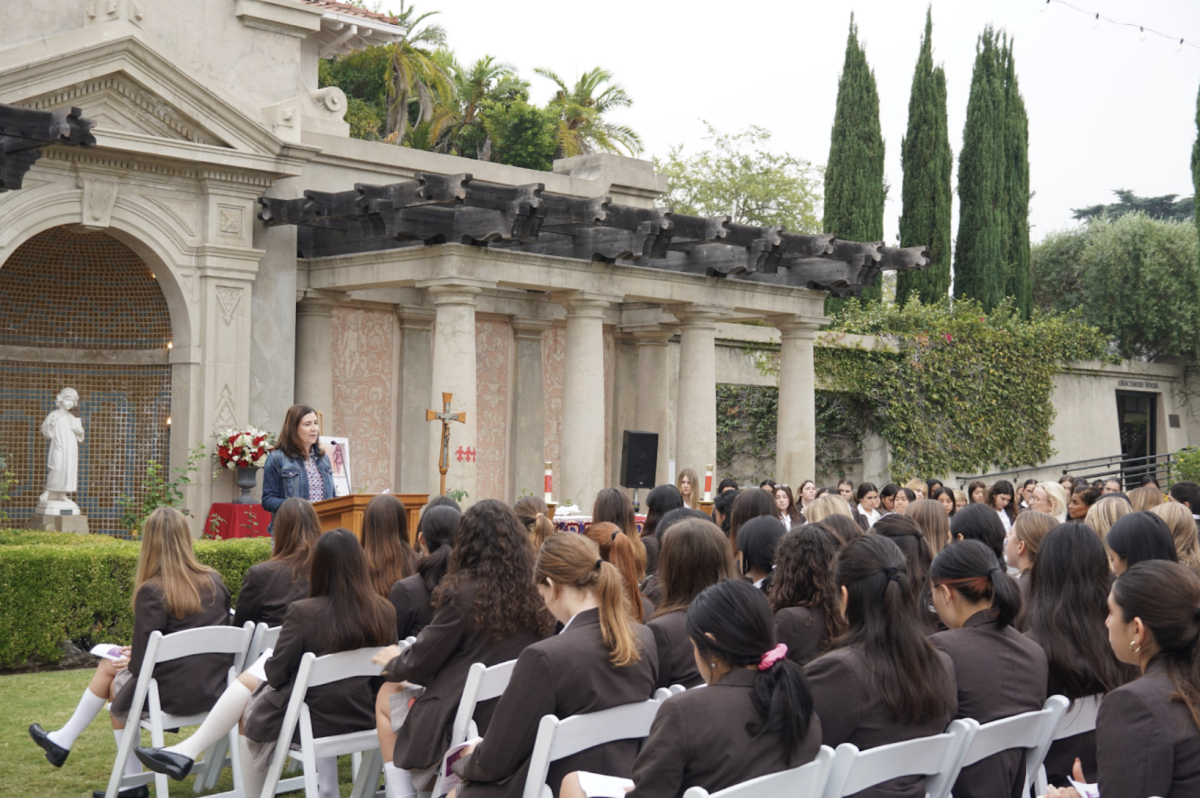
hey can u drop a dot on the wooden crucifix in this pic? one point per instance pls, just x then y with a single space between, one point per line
445 417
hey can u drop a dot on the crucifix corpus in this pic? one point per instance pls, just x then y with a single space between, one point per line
445 417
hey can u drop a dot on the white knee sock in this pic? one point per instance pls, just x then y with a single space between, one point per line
85 712
327 777
132 765
399 782
252 780
224 716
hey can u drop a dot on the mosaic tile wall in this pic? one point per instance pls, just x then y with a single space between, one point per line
362 393
64 290
492 355
80 291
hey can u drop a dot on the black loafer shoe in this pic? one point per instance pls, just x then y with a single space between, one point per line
160 760
141 791
55 753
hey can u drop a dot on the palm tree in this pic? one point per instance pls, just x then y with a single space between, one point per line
471 87
581 125
413 72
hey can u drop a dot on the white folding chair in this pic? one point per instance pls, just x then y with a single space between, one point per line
801 782
220 751
663 693
936 758
557 739
316 672
1029 731
1080 717
483 684
160 649
264 637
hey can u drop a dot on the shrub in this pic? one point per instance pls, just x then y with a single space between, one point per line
56 587
1187 466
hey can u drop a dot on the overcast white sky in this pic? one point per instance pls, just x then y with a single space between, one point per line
1106 110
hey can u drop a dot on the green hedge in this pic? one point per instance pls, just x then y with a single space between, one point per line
56 587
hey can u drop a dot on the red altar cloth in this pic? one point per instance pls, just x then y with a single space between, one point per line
237 520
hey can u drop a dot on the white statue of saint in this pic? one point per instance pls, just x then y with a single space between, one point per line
64 430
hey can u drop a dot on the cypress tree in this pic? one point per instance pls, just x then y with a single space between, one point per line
854 192
979 247
926 193
1018 281
1196 166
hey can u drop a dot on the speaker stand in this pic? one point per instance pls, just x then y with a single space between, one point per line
636 506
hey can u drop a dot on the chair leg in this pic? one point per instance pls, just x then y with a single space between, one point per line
214 762
366 778
162 787
311 788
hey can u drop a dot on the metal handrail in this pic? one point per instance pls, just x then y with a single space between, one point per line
1144 464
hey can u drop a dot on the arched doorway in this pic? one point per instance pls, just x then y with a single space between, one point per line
83 310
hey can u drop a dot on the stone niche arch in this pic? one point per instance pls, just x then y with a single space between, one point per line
86 310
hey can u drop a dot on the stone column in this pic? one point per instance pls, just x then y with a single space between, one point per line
527 447
653 412
581 468
796 433
413 379
696 408
453 372
314 355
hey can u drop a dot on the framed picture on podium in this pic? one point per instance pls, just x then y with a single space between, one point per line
338 450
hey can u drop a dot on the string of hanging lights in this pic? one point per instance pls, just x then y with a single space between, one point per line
1179 41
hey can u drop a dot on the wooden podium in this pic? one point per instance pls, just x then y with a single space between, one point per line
347 511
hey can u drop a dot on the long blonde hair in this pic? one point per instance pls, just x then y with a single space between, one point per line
1147 497
1183 528
1058 497
167 560
567 559
824 506
692 500
1105 512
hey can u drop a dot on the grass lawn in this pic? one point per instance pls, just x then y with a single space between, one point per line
49 699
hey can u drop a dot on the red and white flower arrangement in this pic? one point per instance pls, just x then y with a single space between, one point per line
244 448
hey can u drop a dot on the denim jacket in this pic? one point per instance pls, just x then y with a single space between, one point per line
285 478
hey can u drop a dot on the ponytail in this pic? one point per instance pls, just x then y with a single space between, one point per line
439 529
574 560
970 567
617 548
535 515
742 629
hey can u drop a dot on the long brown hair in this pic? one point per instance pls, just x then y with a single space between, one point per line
289 441
574 560
1165 596
535 515
295 531
749 504
617 549
1030 527
694 556
492 553
804 576
167 560
390 557
910 538
613 506
931 516
355 615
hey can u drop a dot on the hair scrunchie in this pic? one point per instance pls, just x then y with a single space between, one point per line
1196 615
892 574
769 658
599 562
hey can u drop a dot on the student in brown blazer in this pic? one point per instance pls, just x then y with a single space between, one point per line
343 614
487 610
694 556
173 592
390 557
883 682
1148 731
412 596
754 718
613 506
659 501
999 671
599 660
269 588
805 601
616 548
652 589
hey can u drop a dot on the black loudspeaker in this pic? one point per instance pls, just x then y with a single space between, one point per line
639 458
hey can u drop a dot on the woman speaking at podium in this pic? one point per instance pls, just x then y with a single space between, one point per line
298 466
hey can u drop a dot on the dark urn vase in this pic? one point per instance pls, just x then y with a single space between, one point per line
247 478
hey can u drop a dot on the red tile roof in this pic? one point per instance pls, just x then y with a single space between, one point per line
352 11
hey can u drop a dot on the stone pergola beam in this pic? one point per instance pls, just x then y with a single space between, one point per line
24 131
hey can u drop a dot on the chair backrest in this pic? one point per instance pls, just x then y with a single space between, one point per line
1080 717
1030 731
342 665
557 739
483 684
233 640
264 637
936 758
801 782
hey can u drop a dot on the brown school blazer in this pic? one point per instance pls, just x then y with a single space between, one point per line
439 660
851 711
801 630
676 663
568 674
267 590
699 739
1147 744
338 708
1000 673
186 686
413 603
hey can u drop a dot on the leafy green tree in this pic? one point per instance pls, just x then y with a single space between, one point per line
457 121
581 110
414 73
1196 166
1018 282
979 247
1165 207
738 176
854 191
1136 278
361 76
522 134
928 162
